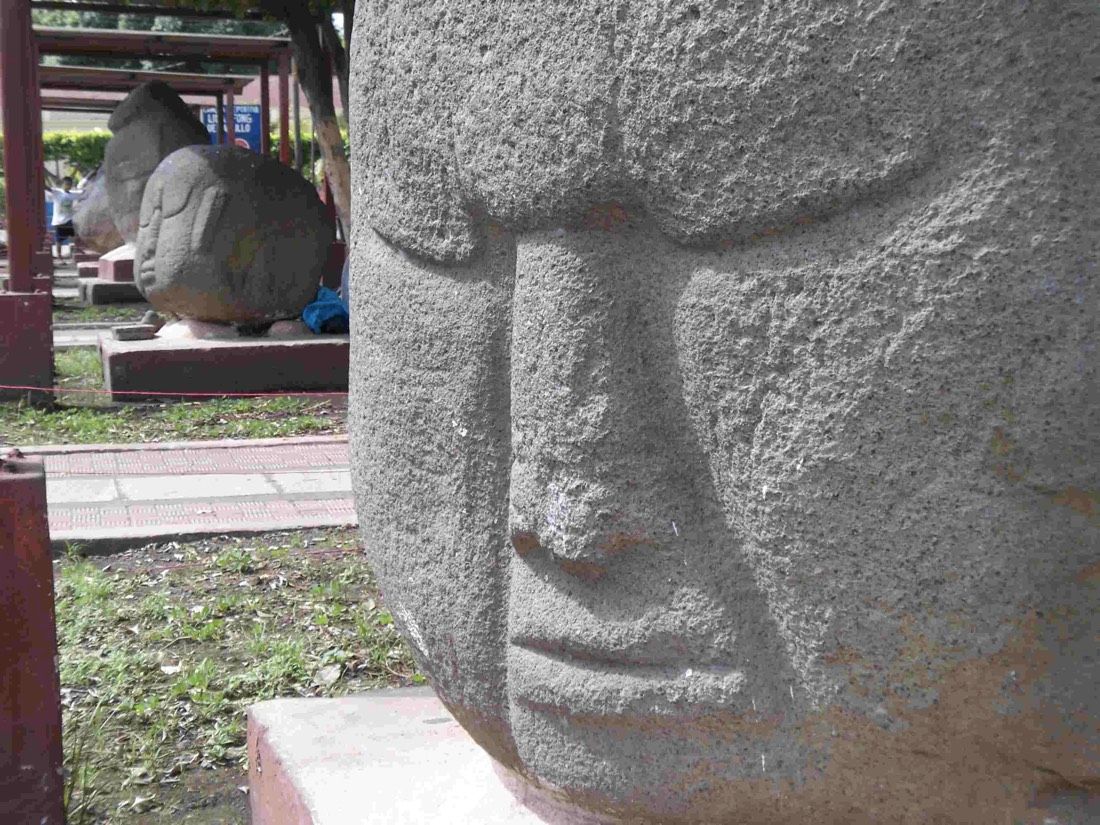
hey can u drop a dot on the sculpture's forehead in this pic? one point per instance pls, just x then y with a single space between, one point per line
721 118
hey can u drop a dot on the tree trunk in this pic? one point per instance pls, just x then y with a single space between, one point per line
315 74
339 60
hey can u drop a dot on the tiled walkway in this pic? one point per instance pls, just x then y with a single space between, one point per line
155 491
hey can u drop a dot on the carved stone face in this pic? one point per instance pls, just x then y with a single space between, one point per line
230 236
784 525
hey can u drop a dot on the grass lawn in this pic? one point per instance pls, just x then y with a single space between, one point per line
162 650
90 419
71 311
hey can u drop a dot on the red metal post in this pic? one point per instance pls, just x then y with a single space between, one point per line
26 343
230 117
284 107
18 121
31 778
220 104
43 262
265 110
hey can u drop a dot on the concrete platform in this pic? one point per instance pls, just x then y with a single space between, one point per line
388 756
315 363
96 291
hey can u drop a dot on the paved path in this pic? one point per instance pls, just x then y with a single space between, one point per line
78 336
114 494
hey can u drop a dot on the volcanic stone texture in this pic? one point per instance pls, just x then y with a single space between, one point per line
150 124
92 219
230 236
725 412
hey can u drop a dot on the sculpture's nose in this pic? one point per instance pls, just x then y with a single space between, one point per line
594 473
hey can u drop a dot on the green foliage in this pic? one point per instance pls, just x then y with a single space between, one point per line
83 150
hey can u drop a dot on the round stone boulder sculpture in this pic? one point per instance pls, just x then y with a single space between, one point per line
150 124
230 236
92 219
725 401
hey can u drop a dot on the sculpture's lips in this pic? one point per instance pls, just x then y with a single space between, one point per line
554 677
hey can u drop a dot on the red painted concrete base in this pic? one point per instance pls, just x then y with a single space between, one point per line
119 270
85 258
96 291
388 756
315 363
30 703
87 269
26 343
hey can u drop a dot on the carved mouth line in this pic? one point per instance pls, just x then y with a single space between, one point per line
626 660
559 682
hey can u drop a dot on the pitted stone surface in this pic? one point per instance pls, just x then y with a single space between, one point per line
92 219
230 236
150 124
725 413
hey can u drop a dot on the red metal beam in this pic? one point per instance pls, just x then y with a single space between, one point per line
105 102
52 103
146 8
123 80
109 43
265 111
230 117
221 118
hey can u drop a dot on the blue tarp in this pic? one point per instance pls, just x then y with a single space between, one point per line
327 313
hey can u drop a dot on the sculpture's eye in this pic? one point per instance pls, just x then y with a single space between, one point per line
174 197
131 169
151 204
207 217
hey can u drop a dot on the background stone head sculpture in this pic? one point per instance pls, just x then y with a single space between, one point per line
150 124
92 216
725 397
231 236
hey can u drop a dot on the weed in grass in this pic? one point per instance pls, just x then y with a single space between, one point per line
235 560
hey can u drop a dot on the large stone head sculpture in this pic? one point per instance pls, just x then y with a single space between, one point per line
725 401
230 236
150 124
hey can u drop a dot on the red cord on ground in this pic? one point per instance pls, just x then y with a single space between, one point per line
149 394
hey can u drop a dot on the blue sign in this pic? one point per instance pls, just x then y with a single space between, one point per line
246 119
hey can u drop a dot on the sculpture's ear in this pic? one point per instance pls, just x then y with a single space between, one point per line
207 217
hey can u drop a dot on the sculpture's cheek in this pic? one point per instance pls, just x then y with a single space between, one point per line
430 408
